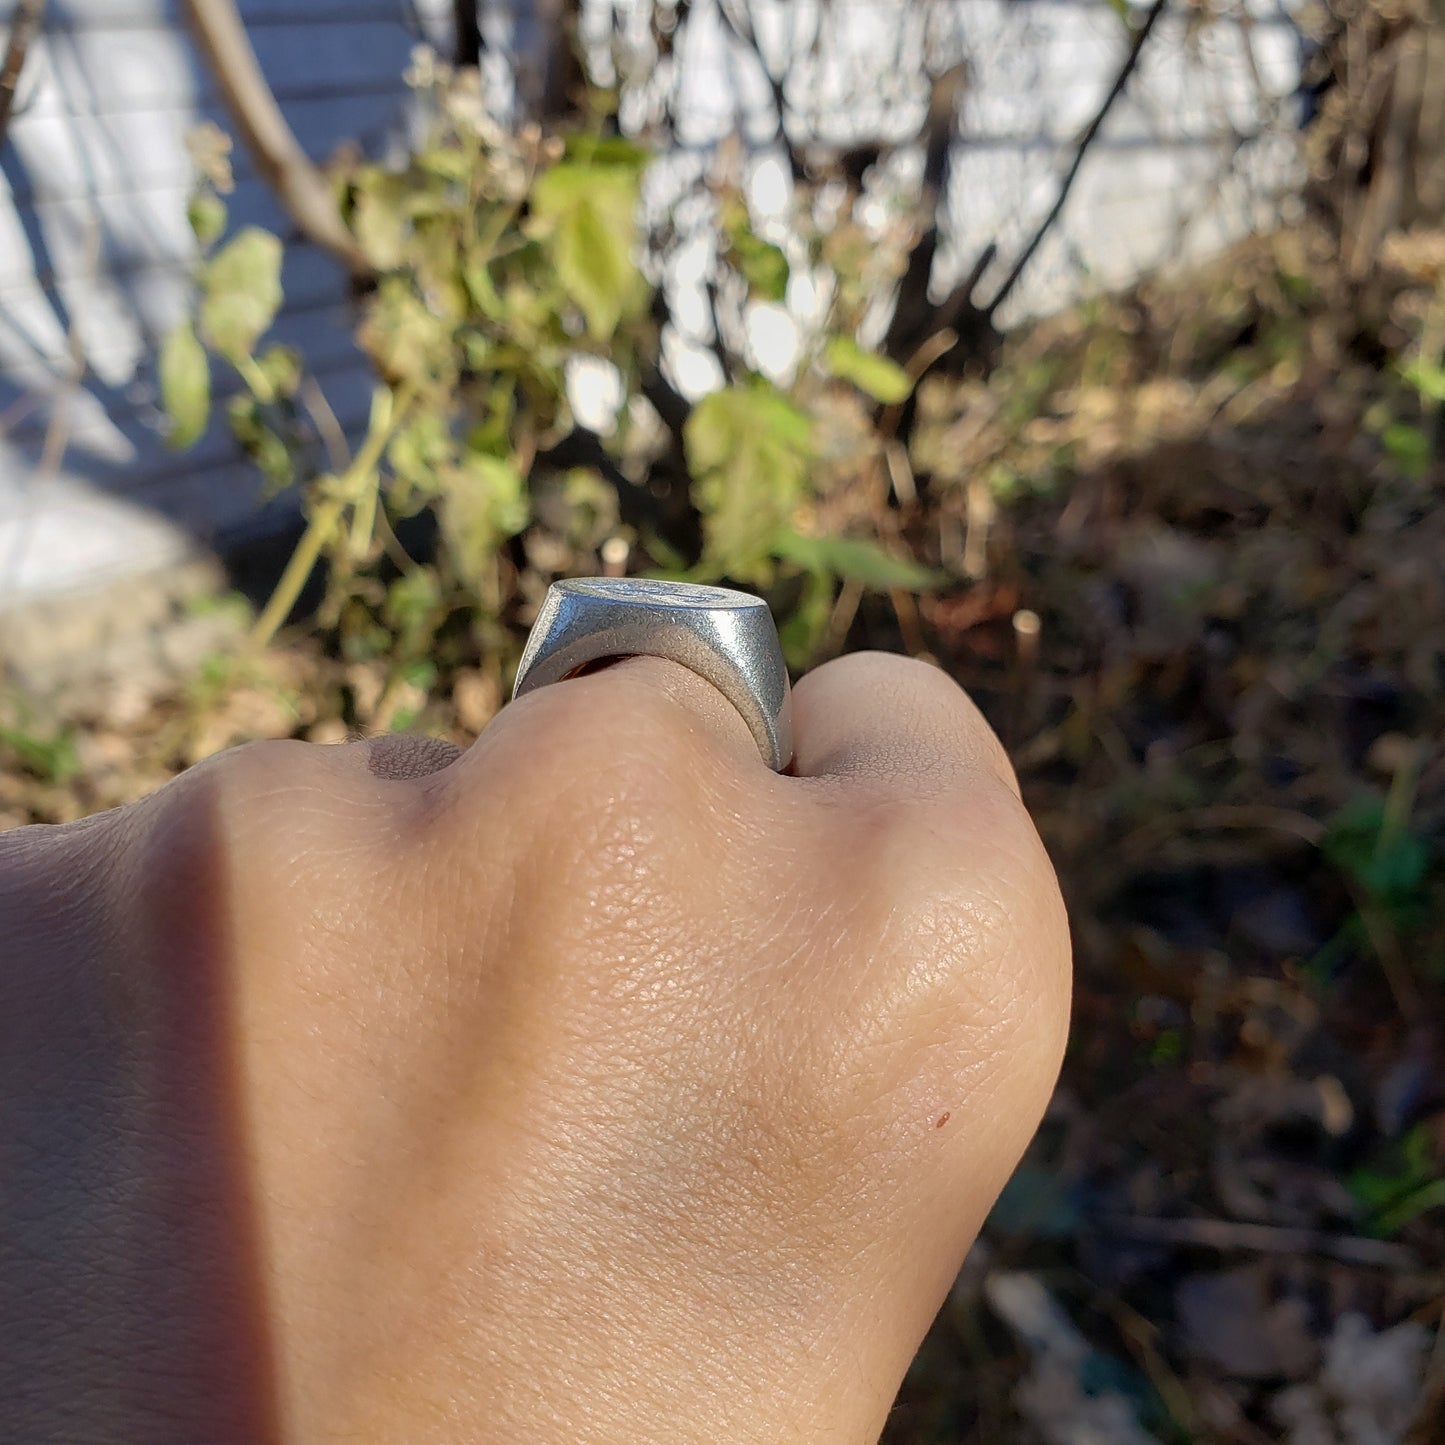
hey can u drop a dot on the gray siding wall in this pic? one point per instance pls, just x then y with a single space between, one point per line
95 255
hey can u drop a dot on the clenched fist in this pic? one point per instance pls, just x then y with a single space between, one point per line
594 1084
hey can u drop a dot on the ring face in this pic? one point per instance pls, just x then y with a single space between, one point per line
724 636
655 592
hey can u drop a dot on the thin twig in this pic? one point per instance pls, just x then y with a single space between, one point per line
719 344
746 32
1247 817
467 32
1141 36
1424 1428
17 411
1226 1234
323 418
57 431
905 609
1142 1338
388 409
845 609
25 24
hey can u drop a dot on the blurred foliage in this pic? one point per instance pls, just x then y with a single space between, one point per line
1405 1184
1183 546
1183 571
501 260
48 755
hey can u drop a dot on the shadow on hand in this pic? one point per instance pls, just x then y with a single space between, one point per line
133 1298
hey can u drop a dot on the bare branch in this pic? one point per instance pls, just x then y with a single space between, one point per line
549 76
1430 1409
1231 1234
1136 49
25 22
954 310
719 344
742 27
296 180
467 32
913 317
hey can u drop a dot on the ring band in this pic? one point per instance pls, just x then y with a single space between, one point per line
726 637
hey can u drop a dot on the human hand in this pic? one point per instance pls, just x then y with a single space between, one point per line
595 1084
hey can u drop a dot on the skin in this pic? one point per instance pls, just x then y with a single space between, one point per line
594 1084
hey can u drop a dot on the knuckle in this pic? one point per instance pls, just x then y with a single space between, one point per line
971 906
254 775
593 745
284 797
577 797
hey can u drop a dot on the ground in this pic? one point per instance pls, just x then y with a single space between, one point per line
1196 542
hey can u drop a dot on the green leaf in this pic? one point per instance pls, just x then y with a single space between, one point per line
1405 1183
379 218
611 151
477 277
557 191
494 415
1424 1200
413 607
185 373
261 442
802 630
484 502
612 191
1408 446
449 162
877 376
241 292
762 265
206 213
586 216
594 267
51 759
1388 865
420 450
1426 377
854 559
435 255
749 450
281 366
405 338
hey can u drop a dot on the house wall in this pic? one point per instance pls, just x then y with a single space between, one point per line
96 255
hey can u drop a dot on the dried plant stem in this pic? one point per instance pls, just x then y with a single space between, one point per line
358 487
25 22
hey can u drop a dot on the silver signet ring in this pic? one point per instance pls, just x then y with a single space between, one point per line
724 636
